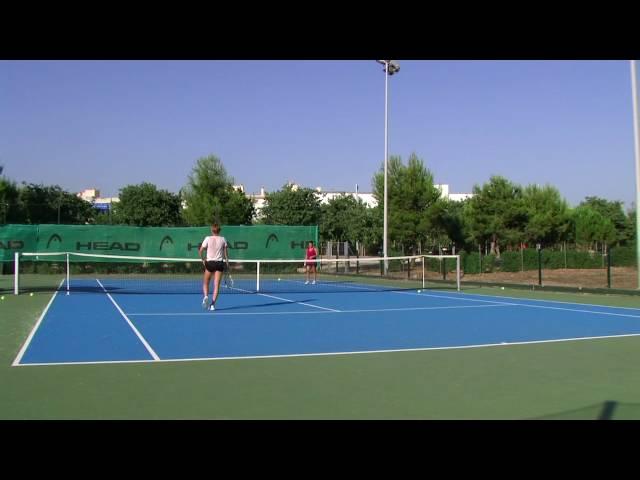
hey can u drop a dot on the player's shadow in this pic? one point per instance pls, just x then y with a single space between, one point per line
607 410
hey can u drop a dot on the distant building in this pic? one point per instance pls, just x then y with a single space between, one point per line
89 194
366 197
454 197
92 195
259 199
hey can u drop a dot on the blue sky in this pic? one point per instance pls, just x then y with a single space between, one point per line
108 124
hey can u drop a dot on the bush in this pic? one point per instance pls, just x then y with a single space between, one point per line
516 261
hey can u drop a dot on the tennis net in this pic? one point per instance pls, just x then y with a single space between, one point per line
131 274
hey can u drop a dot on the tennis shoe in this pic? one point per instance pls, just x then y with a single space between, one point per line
205 302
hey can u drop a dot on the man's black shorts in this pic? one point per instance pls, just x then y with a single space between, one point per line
214 266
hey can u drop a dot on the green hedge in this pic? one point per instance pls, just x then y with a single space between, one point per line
551 259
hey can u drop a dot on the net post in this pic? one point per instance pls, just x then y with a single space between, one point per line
258 276
539 247
67 273
458 271
16 274
424 259
608 267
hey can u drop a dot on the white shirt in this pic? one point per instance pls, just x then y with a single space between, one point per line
215 247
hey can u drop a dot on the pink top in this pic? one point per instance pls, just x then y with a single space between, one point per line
311 253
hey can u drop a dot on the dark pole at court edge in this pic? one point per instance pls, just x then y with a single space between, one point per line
390 67
636 136
5 206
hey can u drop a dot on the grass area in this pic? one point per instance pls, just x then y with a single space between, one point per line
588 379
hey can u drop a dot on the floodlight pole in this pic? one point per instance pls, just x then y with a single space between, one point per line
636 131
386 159
389 69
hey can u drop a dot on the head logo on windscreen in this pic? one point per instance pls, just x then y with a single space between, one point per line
167 239
55 237
271 237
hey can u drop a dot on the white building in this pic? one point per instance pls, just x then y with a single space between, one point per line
259 199
92 195
454 197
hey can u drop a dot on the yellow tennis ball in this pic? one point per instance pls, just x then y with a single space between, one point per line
2 297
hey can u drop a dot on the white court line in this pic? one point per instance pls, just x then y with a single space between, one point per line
17 360
535 300
527 305
135 330
499 302
460 296
285 299
595 312
301 303
328 354
404 309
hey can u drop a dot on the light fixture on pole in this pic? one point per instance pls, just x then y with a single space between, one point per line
390 67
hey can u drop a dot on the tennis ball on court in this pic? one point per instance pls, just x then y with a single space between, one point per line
2 297
419 291
278 279
31 294
502 288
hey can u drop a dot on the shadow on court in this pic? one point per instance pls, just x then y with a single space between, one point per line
608 410
221 308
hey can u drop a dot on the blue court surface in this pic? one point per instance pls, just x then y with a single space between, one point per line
100 324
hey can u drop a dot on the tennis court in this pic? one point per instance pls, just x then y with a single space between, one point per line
106 320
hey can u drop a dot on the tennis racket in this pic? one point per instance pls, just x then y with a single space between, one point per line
228 279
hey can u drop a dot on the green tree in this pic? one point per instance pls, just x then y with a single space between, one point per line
496 214
144 205
614 211
210 197
548 215
9 206
592 227
344 218
414 208
292 205
39 204
105 218
450 219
